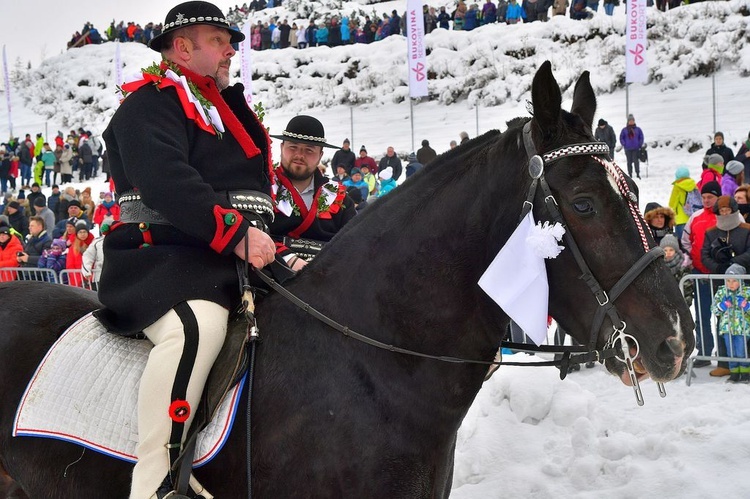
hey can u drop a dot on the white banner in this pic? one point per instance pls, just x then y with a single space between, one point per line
6 80
636 68
246 62
415 49
118 65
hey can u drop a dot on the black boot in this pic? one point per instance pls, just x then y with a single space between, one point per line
734 377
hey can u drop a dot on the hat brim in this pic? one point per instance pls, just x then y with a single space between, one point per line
286 138
236 36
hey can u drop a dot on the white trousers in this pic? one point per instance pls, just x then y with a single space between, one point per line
168 334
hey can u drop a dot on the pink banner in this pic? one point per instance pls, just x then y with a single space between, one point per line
246 63
636 67
416 51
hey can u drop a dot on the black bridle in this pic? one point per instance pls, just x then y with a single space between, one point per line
570 354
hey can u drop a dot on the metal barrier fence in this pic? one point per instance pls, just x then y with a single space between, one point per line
711 345
68 277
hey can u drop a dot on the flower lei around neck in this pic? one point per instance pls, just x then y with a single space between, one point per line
329 199
196 105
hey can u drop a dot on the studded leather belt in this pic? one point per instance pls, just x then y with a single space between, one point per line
252 204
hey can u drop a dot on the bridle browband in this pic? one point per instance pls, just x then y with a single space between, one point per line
570 354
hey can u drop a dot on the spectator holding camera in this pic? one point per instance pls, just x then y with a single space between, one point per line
37 241
729 241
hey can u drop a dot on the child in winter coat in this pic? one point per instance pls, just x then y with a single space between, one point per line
387 184
732 305
679 264
54 258
107 211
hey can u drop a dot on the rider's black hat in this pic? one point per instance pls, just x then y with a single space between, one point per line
193 13
306 130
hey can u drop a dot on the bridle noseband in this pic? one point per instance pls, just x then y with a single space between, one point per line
605 299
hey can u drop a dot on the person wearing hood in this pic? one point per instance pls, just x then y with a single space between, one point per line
683 188
732 307
660 220
66 164
386 181
631 138
734 176
413 165
720 148
425 154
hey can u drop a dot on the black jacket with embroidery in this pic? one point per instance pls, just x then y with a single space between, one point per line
183 172
321 229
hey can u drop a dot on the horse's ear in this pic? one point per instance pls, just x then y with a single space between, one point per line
584 100
546 99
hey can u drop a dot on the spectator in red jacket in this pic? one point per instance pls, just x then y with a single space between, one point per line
107 212
75 252
9 246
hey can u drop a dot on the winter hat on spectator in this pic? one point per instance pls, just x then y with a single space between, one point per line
14 204
716 163
355 194
726 202
735 269
74 202
191 14
355 171
71 221
4 229
631 117
39 201
601 122
386 174
412 158
669 241
734 167
363 148
719 134
712 187
82 225
60 243
650 207
681 172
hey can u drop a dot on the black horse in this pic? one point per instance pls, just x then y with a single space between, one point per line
333 417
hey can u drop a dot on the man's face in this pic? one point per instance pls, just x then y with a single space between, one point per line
709 200
74 211
356 177
345 146
4 237
299 160
740 197
390 152
35 228
362 154
210 53
34 188
718 140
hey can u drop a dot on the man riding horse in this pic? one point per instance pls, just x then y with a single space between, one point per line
183 148
310 208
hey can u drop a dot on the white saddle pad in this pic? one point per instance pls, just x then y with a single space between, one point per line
85 391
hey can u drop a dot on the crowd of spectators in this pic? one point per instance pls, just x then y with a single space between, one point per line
342 29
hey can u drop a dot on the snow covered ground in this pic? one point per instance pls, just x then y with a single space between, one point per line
528 435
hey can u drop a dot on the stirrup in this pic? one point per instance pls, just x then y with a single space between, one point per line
166 491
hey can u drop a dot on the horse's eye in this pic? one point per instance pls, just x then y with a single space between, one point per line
583 206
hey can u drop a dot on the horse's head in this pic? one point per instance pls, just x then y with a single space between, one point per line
599 206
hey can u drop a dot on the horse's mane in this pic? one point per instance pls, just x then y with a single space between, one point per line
475 162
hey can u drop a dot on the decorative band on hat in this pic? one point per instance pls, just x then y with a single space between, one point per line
302 137
182 21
